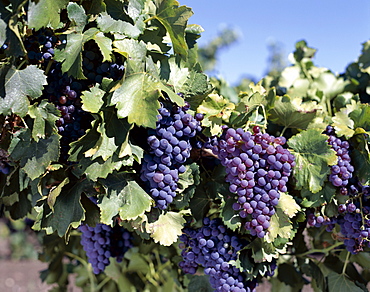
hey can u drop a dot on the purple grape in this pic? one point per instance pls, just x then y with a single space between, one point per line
257 168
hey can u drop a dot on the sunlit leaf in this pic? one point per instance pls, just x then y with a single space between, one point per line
313 158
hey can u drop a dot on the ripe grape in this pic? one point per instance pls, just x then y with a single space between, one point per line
257 169
103 242
342 171
169 149
212 247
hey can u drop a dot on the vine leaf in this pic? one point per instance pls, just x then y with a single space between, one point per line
124 198
71 55
361 118
343 124
34 157
92 100
43 13
280 225
200 283
137 99
292 113
313 157
55 192
288 205
324 196
77 15
174 19
361 158
340 283
19 85
187 184
230 219
109 25
44 114
68 210
196 88
167 228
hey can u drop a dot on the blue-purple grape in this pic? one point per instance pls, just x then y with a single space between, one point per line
341 172
169 148
257 169
212 247
103 242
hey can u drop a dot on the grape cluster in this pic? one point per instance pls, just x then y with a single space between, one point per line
40 45
356 233
342 171
169 149
213 247
353 219
103 242
257 168
64 91
95 69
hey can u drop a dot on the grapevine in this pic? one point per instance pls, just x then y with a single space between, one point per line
139 172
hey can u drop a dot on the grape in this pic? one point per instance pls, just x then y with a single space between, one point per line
212 247
103 242
4 162
257 168
168 151
342 171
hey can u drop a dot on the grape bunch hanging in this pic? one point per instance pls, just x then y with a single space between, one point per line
257 169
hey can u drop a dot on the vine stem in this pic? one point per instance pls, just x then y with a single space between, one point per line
87 267
283 131
324 251
346 263
328 106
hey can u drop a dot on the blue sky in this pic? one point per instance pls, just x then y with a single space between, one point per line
337 28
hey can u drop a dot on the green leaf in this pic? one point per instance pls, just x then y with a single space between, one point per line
364 58
71 55
361 117
178 74
361 158
340 283
43 13
98 168
92 99
55 192
280 225
313 157
68 210
167 228
230 219
77 15
196 88
343 124
135 52
105 45
34 157
137 99
84 144
324 196
174 19
107 24
292 112
124 198
187 184
20 85
44 114
199 284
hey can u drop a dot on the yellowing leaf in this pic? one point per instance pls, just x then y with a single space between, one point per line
288 205
167 228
